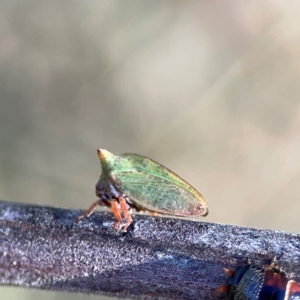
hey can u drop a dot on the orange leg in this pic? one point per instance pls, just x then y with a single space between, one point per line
116 212
126 213
90 210
228 272
154 213
222 289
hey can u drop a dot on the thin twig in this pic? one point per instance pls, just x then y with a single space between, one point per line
158 258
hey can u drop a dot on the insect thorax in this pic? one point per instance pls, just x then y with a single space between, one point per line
105 190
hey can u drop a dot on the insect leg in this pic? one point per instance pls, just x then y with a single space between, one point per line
292 289
126 213
90 210
154 213
116 212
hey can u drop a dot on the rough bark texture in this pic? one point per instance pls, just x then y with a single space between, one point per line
158 258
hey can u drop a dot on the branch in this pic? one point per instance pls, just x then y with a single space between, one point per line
43 247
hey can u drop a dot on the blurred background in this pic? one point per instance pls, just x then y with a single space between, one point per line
209 89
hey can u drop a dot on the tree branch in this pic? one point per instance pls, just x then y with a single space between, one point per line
43 247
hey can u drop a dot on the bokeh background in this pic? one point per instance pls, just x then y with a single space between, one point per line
208 88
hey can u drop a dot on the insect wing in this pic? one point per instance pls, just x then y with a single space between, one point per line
155 193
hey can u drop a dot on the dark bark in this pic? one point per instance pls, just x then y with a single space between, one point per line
43 247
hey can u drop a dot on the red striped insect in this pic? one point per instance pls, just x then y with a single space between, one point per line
254 283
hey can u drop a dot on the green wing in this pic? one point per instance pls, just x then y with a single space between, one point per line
157 194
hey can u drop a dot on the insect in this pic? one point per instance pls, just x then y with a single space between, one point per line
254 283
133 181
